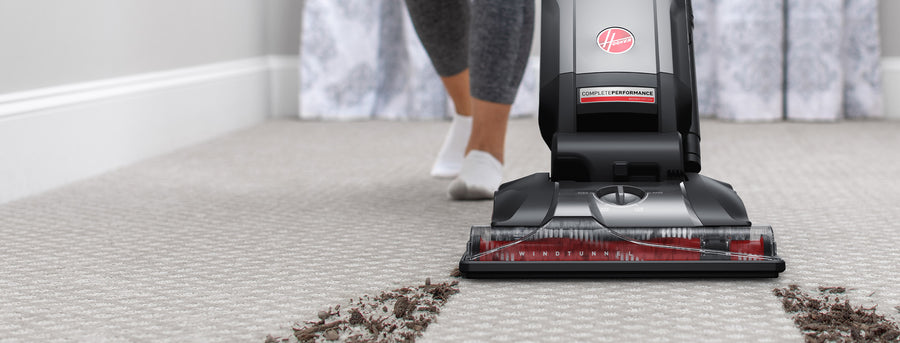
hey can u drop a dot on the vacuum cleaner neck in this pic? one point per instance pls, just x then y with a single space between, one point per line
620 103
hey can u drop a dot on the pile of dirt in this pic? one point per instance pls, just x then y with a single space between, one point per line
399 315
829 317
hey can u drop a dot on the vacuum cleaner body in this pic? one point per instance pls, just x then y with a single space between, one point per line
623 197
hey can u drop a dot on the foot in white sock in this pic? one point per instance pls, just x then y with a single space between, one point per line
479 177
450 159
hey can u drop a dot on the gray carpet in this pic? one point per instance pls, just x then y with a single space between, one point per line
237 238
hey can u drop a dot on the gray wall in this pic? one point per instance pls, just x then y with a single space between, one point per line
889 12
283 19
52 42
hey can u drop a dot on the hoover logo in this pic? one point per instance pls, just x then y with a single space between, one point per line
615 40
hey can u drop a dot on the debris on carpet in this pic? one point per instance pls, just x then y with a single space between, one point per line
829 317
399 315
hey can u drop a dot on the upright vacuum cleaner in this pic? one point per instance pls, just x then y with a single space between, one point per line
618 109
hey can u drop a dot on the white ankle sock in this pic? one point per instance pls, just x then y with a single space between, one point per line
450 159
479 178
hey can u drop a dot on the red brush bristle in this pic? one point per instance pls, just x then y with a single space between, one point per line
568 249
747 247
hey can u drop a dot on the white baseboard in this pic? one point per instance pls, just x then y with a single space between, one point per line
891 68
52 136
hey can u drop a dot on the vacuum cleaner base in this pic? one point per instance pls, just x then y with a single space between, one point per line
583 247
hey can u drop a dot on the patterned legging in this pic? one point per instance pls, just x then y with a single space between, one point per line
492 39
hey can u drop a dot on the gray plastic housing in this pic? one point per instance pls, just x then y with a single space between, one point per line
661 59
651 147
697 201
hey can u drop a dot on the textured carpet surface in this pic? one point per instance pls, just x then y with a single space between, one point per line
237 238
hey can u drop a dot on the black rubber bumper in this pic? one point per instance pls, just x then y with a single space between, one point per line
621 269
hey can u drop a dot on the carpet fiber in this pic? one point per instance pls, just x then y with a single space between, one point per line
240 237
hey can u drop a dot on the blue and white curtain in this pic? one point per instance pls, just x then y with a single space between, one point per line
766 60
757 60
361 59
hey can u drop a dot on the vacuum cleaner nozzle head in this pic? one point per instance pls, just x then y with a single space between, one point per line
584 247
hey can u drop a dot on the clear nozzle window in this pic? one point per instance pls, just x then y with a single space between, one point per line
584 239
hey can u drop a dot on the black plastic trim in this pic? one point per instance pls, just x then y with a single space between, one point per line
619 269
616 79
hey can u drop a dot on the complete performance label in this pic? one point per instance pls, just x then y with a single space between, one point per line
617 94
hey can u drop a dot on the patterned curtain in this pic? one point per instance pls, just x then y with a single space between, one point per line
765 60
361 59
757 60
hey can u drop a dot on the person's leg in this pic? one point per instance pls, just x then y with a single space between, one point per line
443 28
457 87
500 39
500 45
